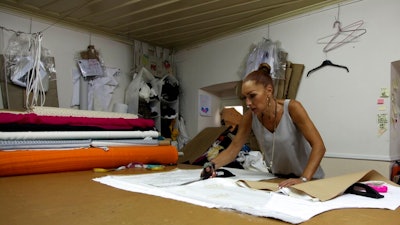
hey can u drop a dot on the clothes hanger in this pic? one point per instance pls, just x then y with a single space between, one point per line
343 35
327 63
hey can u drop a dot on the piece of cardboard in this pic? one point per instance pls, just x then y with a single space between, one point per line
14 96
200 143
325 189
294 83
288 76
231 117
259 185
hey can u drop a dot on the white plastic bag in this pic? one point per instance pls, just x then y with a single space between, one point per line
183 137
139 88
21 73
252 160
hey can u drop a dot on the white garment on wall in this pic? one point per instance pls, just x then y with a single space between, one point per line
100 89
76 75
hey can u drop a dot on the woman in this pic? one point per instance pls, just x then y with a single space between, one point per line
292 145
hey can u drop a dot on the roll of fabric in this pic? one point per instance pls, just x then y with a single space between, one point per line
76 135
24 162
120 108
34 122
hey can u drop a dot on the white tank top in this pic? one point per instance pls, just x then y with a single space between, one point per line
292 150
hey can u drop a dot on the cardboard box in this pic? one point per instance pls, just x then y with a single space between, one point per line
200 143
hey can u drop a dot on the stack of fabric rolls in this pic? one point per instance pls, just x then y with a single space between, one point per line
50 139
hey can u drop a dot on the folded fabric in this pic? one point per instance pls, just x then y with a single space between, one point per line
58 144
79 135
32 121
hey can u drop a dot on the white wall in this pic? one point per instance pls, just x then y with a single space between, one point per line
214 117
342 105
65 43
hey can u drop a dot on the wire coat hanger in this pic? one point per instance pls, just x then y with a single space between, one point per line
327 63
342 36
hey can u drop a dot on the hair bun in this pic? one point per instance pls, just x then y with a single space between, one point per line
265 67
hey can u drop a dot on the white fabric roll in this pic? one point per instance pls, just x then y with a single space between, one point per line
57 135
120 107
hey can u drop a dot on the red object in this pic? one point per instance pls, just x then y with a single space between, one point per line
104 123
395 169
166 64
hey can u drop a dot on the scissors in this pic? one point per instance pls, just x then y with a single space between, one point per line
219 172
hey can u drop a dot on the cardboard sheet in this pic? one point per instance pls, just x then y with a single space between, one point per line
297 73
325 189
200 143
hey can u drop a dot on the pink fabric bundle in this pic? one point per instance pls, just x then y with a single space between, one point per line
103 123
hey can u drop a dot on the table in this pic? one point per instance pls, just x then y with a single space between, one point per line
73 198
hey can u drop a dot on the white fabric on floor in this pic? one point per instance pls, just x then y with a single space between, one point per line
225 193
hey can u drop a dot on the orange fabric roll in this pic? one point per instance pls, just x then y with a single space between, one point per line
22 162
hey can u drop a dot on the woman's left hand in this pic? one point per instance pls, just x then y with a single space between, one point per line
290 182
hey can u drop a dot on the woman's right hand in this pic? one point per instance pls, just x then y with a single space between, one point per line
208 171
